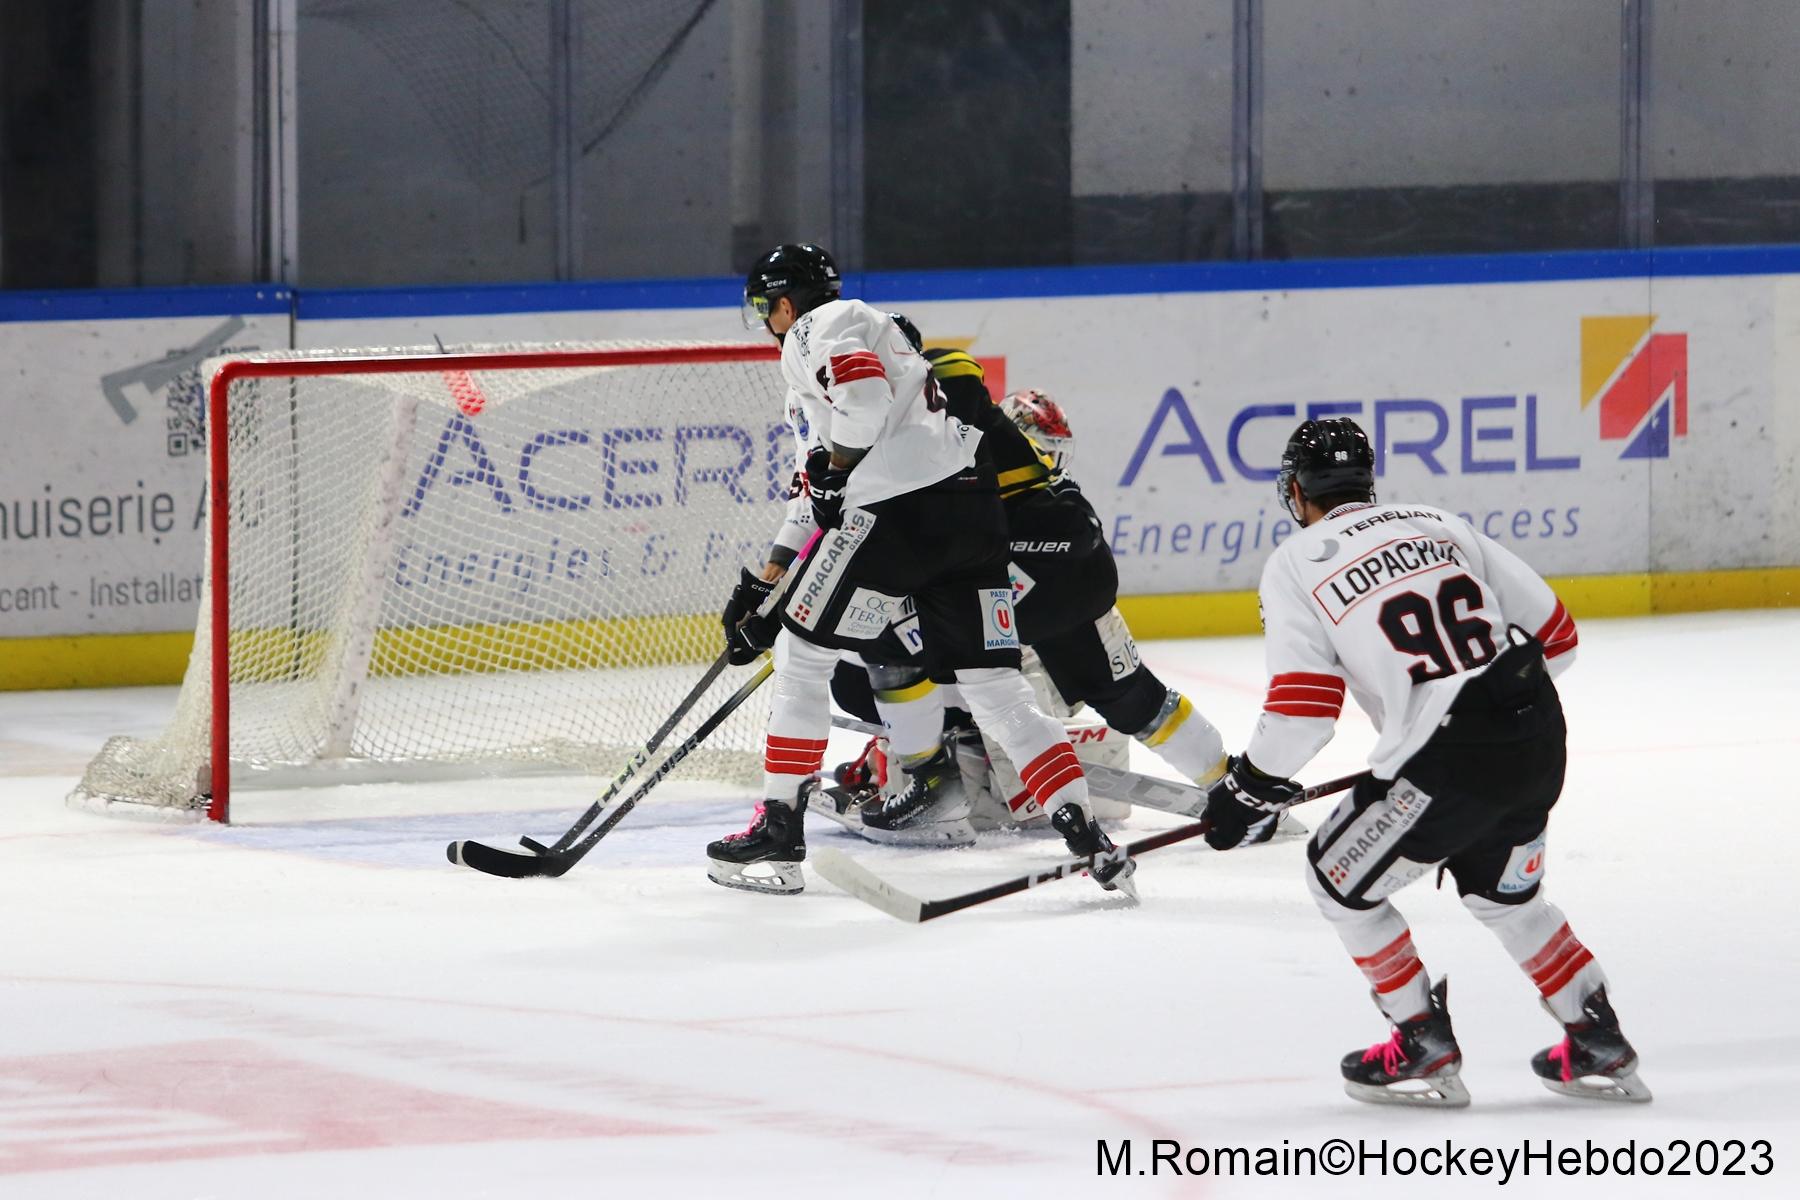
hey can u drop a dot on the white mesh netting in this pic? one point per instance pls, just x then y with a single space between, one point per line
487 569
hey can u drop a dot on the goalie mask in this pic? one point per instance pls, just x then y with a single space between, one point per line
804 273
1043 421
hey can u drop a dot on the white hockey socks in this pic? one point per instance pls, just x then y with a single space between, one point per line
1187 741
1380 943
914 715
1538 937
1001 702
799 715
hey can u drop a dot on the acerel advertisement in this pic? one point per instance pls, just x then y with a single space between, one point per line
1592 426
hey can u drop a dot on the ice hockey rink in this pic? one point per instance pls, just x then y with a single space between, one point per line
313 1002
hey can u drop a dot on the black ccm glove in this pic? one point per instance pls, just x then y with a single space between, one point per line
1242 798
826 484
747 634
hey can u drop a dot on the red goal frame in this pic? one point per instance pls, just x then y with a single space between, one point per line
219 471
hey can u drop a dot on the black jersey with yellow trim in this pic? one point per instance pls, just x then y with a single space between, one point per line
1018 463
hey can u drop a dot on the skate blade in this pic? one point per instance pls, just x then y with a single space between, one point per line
937 833
1624 1088
781 879
1441 1090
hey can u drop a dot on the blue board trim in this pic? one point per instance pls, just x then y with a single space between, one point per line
112 304
906 287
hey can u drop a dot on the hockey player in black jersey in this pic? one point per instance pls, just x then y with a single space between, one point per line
1065 586
895 530
1449 642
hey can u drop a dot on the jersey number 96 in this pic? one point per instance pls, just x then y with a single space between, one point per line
1413 628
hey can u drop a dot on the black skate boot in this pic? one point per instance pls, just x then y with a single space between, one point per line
1419 1064
1594 1061
1084 838
929 809
765 857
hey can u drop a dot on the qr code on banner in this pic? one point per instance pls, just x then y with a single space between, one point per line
184 417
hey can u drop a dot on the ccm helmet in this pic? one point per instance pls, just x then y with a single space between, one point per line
804 273
1328 458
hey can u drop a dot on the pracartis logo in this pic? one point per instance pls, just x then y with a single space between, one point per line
1640 380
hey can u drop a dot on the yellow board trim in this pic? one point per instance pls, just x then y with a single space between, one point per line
272 655
127 660
1636 594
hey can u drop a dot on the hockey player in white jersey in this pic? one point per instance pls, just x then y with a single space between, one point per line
912 538
1448 641
1079 649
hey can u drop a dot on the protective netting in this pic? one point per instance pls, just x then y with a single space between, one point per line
483 70
474 568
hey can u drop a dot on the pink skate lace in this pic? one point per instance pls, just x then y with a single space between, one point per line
755 820
1388 1052
1560 1056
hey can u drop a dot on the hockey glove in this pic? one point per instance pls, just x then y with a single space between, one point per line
746 633
826 483
1242 798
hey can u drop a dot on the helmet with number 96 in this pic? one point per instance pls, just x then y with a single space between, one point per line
1331 460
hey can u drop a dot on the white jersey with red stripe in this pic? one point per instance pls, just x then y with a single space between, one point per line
1402 604
855 381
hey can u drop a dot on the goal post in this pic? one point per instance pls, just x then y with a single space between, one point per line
424 564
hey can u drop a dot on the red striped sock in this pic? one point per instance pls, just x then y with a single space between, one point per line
1050 772
1561 959
793 756
1393 966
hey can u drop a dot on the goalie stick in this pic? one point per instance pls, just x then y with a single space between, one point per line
877 892
552 862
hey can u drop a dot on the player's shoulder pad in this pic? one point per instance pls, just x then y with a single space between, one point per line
948 363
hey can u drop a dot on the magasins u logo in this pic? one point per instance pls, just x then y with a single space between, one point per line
1639 378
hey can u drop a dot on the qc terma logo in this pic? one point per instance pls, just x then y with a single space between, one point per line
1639 378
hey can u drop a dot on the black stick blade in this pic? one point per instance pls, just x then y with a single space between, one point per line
505 863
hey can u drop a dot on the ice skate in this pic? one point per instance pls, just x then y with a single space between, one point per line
766 857
1419 1065
929 808
1593 1061
1085 838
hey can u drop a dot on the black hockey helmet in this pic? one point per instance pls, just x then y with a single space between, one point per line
1328 458
910 330
804 273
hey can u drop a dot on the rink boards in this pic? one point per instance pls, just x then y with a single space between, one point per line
1626 422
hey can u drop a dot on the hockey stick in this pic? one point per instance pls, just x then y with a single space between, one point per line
631 768
877 892
553 863
505 863
512 865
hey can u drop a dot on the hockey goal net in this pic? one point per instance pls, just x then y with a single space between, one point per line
423 564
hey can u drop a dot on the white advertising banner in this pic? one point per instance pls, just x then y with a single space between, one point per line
101 499
1591 426
1594 426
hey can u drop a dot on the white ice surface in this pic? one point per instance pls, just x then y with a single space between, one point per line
315 1003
